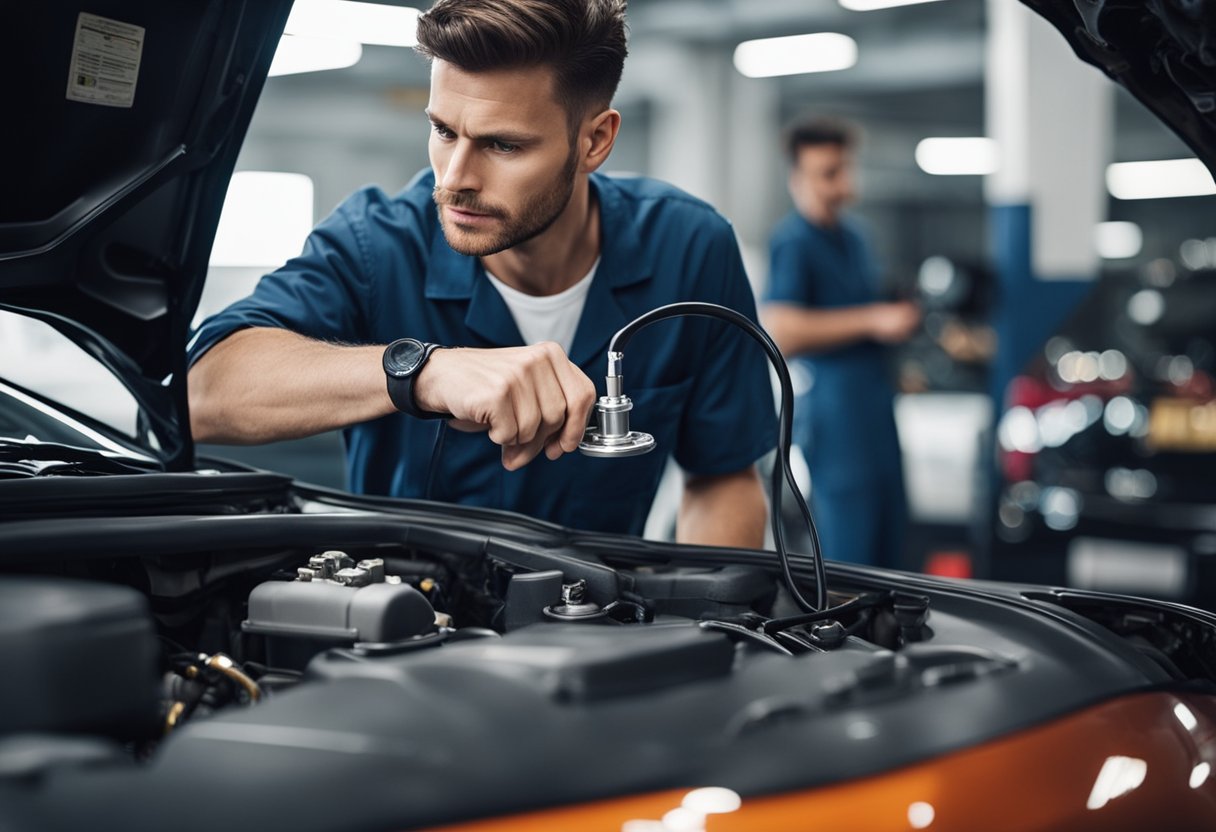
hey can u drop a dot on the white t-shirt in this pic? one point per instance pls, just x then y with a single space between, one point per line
547 317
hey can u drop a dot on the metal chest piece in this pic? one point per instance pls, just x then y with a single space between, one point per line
611 436
575 605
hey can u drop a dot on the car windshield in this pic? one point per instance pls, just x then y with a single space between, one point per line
26 418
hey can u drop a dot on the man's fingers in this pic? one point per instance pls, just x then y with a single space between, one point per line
468 426
564 397
501 419
527 412
529 399
550 397
579 393
515 457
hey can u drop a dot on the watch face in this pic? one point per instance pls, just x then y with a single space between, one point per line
402 357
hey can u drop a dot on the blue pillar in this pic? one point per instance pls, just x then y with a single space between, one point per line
1052 118
1029 309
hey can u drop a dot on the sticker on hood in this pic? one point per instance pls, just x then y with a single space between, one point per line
105 61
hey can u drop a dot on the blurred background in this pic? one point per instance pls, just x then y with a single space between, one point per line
1056 409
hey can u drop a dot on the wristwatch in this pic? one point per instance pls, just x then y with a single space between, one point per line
403 361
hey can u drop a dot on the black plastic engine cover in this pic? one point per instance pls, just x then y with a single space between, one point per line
705 592
564 662
76 656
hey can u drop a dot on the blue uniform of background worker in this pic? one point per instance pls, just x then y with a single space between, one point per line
515 250
822 309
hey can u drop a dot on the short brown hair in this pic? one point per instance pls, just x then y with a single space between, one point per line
819 131
583 40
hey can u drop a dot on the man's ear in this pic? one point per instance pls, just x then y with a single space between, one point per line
596 138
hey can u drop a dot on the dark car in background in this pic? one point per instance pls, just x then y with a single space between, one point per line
187 643
1108 443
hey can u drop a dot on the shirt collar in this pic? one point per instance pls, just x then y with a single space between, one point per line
454 276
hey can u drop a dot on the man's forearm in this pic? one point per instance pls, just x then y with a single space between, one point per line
726 510
799 330
262 385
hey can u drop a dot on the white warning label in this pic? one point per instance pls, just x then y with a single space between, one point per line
105 61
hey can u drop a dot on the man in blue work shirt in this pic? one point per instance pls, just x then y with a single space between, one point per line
515 249
823 311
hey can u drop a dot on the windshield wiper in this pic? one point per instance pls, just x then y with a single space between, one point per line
44 459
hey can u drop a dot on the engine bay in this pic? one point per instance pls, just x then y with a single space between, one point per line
302 640
223 638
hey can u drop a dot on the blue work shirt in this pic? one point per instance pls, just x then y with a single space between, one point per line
379 268
845 421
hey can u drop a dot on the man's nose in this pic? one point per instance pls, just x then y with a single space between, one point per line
461 172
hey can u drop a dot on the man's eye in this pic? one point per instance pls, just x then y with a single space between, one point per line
505 147
443 132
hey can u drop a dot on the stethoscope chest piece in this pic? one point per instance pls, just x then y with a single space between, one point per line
610 436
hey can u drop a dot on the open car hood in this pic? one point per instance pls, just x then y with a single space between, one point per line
124 129
1162 51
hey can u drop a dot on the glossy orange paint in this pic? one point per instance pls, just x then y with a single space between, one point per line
1154 753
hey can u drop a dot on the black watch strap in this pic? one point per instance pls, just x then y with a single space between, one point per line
401 388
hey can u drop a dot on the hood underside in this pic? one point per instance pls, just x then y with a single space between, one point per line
126 126
1162 51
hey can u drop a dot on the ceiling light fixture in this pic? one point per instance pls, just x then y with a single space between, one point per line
972 156
795 55
1159 180
369 23
872 5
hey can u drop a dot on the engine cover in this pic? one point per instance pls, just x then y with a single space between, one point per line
77 656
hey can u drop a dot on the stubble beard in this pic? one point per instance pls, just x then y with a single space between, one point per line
531 220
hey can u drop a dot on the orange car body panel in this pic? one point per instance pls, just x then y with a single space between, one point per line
1142 762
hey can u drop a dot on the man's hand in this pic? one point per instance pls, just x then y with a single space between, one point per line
801 330
528 398
893 323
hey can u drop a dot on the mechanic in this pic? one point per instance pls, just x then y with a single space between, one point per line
822 309
514 249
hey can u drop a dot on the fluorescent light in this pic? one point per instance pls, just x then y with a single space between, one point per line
795 55
871 5
958 157
1159 180
296 53
1117 240
266 218
371 23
